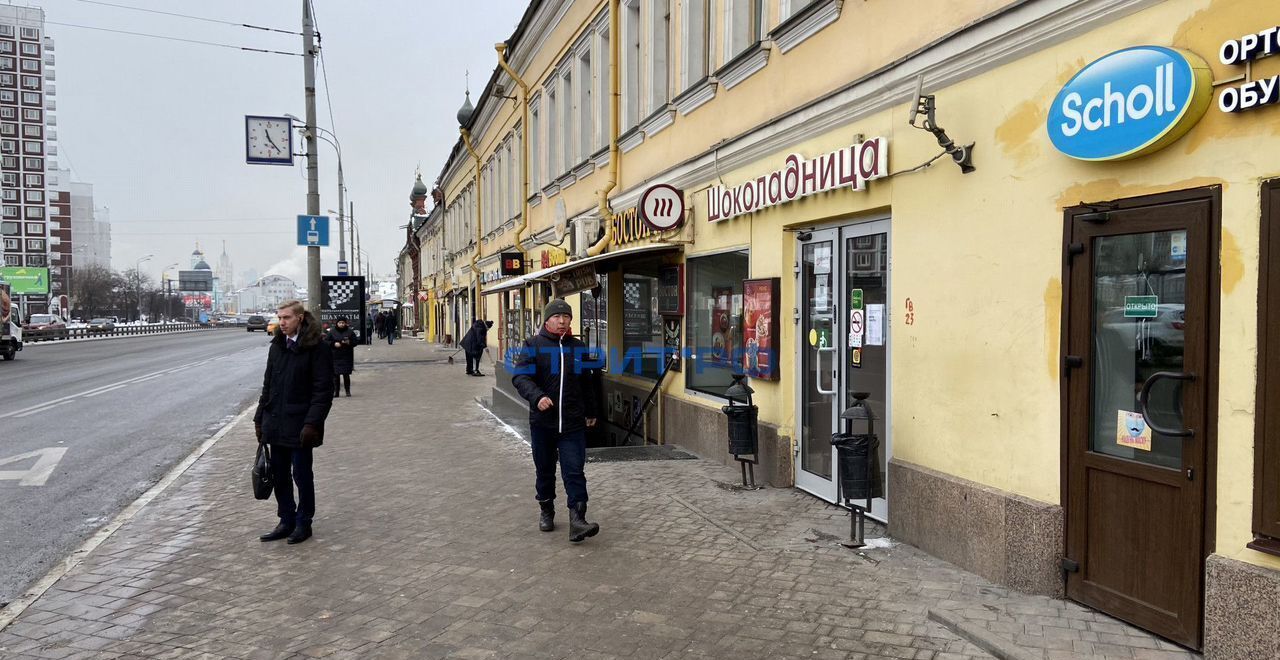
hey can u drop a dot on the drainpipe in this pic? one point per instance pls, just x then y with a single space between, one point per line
475 254
524 146
615 99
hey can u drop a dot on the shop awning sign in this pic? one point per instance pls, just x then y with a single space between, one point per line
1251 93
1130 103
662 207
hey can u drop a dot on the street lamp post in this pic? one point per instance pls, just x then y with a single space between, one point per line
168 290
137 274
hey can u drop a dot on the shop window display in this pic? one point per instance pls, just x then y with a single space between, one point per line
714 320
641 326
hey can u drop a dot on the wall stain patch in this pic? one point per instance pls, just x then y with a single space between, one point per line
1104 190
1232 262
1052 325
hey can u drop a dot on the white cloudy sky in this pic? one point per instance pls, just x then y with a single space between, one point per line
158 125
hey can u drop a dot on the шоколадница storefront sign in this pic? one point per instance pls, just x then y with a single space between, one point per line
1130 103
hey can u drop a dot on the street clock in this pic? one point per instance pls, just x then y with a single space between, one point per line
268 140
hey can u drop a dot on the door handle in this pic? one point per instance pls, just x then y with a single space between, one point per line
1145 394
817 360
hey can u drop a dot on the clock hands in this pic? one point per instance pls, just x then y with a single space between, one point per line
267 133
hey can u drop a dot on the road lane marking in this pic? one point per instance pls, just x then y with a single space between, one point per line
15 608
40 410
102 389
46 460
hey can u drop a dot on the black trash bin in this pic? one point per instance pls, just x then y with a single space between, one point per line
744 432
858 459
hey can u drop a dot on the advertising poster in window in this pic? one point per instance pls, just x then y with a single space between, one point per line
636 302
722 335
759 328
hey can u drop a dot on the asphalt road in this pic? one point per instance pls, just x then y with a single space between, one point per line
86 427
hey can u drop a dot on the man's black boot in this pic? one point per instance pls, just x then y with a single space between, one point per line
300 534
579 528
281 531
547 520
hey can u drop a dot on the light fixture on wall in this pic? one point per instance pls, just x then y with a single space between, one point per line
924 104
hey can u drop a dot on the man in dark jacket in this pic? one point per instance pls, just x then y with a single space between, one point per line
343 340
473 344
297 392
550 376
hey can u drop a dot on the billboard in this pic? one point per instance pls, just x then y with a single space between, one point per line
195 281
26 281
343 296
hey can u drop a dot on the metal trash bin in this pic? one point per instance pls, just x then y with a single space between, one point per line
744 428
858 464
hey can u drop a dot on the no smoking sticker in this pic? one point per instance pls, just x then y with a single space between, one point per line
857 326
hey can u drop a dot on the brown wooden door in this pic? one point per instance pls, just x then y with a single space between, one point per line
1141 347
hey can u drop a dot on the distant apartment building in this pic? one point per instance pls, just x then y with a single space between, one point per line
28 145
90 228
265 294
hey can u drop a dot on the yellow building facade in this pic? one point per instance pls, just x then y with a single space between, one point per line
1033 237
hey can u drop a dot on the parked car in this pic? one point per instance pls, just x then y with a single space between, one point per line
101 325
44 322
256 322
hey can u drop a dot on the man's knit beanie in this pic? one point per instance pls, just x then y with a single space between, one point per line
557 306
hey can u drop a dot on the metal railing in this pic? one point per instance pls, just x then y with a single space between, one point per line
59 334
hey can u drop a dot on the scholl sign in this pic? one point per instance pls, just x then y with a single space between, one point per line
1130 103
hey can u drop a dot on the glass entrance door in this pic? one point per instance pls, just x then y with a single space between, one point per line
843 347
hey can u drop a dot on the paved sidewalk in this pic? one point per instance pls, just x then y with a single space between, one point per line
426 546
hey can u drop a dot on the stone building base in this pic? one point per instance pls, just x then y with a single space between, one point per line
1006 538
1241 610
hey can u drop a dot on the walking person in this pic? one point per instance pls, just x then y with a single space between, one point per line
343 340
297 393
389 324
473 344
378 324
549 375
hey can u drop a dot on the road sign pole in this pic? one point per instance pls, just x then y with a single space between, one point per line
313 167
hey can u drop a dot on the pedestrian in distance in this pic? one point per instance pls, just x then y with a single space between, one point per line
378 324
473 344
297 393
389 324
343 340
549 375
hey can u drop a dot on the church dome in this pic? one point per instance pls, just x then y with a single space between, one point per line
201 265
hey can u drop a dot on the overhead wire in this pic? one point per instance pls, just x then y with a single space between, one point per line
324 72
189 16
181 39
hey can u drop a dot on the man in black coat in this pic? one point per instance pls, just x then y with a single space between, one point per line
343 340
473 344
549 374
297 394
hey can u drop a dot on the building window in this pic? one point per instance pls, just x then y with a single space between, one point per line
32 50
713 320
9 129
9 179
8 80
31 66
553 133
792 7
13 260
742 25
35 196
35 245
535 143
31 98
8 113
566 93
602 88
33 130
1266 487
8 96
8 64
31 82
7 47
8 146
659 54
33 164
37 260
10 245
32 147
34 180
586 109
29 114
35 212
630 63
6 31
30 33
9 162
35 229
697 42
9 194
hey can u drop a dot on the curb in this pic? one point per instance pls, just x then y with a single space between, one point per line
981 637
15 608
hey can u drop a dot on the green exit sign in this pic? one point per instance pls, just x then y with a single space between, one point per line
1141 307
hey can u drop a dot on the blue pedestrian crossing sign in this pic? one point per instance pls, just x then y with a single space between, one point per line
313 230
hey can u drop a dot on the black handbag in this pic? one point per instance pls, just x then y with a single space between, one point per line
261 473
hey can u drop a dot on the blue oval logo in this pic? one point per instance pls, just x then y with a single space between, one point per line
1130 103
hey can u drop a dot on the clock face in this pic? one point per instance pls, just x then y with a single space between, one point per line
268 140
